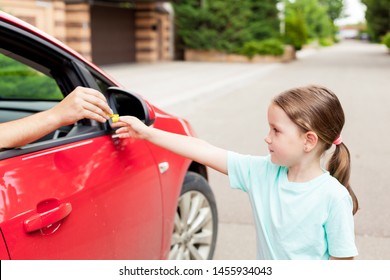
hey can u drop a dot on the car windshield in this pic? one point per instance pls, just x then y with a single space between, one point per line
20 81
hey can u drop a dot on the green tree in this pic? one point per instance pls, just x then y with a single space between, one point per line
378 18
225 25
334 8
317 19
296 31
212 24
386 40
307 20
264 22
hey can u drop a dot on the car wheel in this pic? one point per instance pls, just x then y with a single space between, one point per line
196 221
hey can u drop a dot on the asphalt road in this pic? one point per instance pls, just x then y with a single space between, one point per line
227 103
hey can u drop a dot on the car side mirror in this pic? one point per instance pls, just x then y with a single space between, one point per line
126 103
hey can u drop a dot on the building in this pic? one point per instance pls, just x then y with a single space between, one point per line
104 31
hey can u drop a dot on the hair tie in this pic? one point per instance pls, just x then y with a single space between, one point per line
338 140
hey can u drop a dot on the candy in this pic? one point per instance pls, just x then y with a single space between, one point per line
114 117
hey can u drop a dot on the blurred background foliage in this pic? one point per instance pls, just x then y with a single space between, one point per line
242 26
18 81
378 18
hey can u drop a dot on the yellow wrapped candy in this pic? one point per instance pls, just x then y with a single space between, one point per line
114 117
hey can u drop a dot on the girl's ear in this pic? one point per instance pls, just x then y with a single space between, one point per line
311 140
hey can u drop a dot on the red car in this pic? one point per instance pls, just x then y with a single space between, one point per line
80 192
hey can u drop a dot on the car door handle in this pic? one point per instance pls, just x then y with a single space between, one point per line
41 220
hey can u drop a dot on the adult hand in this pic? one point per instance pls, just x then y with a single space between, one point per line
82 103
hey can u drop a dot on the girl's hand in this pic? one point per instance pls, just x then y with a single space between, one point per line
131 127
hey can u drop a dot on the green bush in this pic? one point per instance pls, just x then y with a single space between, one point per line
296 30
20 81
224 25
386 40
265 47
326 42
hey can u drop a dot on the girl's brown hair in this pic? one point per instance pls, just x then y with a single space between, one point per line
316 108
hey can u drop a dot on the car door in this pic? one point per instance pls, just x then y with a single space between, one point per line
79 193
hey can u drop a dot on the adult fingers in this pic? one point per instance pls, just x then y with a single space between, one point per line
98 103
89 107
92 92
94 116
95 98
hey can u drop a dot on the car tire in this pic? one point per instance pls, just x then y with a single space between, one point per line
196 221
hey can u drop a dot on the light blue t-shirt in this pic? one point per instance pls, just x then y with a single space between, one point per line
311 220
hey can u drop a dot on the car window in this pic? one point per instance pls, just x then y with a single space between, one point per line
28 87
20 81
103 86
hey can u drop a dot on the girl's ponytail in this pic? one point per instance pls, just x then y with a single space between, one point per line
339 166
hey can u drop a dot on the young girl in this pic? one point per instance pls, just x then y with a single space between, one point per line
301 210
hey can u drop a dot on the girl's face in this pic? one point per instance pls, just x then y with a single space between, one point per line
285 139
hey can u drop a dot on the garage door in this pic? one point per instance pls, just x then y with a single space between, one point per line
113 35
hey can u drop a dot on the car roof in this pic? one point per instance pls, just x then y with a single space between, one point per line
34 30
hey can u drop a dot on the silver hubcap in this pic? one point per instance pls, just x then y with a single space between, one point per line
193 231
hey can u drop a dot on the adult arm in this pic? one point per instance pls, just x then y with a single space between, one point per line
80 103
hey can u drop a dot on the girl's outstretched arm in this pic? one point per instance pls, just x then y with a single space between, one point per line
186 146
